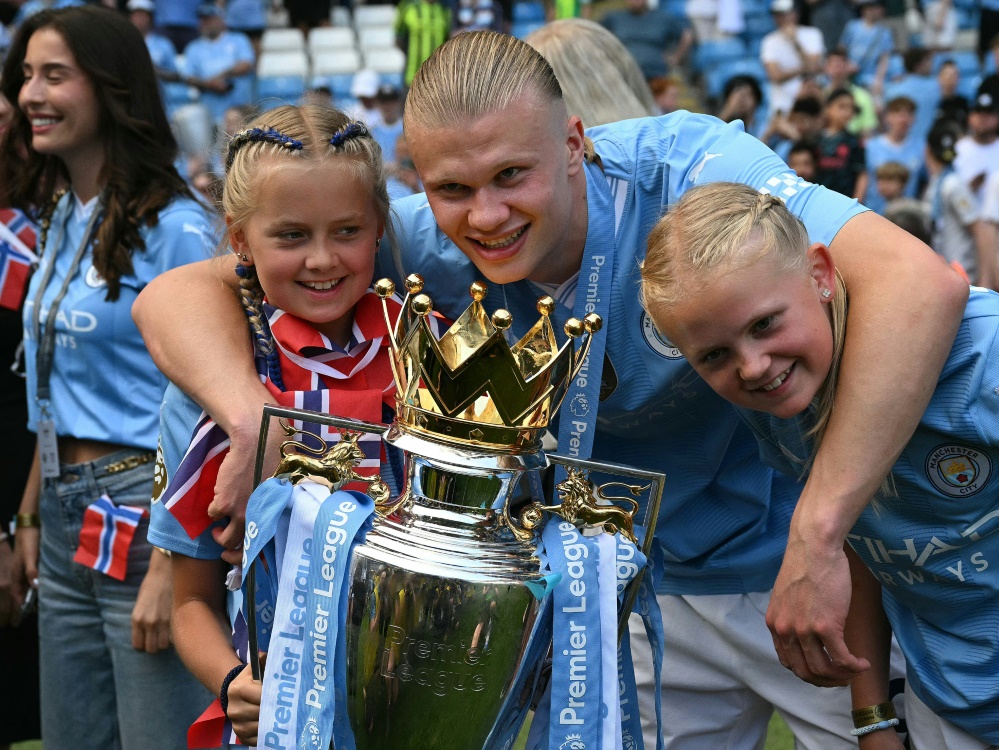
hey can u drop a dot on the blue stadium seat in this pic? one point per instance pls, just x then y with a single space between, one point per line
523 28
338 84
709 54
967 18
528 12
273 91
967 62
968 87
758 25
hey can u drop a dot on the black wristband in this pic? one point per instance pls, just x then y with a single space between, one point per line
224 692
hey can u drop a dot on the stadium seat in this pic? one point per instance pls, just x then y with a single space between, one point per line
339 62
528 12
385 60
273 64
521 29
370 37
374 15
968 86
274 91
340 16
709 54
967 62
339 84
282 40
330 39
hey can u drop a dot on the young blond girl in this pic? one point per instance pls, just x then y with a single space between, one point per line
305 206
731 278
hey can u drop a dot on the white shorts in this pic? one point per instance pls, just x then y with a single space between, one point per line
927 731
722 681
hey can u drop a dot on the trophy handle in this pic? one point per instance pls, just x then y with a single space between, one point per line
331 466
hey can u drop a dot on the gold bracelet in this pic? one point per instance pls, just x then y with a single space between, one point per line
164 552
27 521
873 714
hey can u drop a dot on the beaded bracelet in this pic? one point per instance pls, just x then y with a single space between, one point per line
887 724
224 692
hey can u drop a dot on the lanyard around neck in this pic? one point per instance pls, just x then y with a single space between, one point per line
46 338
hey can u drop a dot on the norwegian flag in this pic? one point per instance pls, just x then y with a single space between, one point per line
106 536
192 487
355 381
18 238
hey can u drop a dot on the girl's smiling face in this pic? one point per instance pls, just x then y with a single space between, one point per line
760 335
312 238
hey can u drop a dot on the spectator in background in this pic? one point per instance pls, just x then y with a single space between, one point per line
789 53
321 96
803 160
657 41
830 17
952 106
911 216
559 10
31 7
479 15
387 132
666 94
940 25
890 180
841 156
247 17
220 63
868 43
978 152
161 49
364 88
865 121
958 234
802 126
990 212
177 20
897 144
421 26
308 14
600 81
402 179
895 20
741 98
919 85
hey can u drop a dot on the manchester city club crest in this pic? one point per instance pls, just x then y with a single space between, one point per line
659 343
957 470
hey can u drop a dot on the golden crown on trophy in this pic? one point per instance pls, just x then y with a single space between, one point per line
471 386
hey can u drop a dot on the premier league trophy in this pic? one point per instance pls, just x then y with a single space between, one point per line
447 627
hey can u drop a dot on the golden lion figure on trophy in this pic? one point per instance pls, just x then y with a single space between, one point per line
580 505
333 465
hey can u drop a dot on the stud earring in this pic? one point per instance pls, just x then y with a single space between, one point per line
378 242
243 257
826 294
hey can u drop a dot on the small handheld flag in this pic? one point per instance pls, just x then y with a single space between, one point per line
106 536
17 258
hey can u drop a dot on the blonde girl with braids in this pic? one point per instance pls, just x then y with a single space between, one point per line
759 311
305 206
89 142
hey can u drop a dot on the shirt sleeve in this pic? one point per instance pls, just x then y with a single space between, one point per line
244 49
858 158
961 201
185 234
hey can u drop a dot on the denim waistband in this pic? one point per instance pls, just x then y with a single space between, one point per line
112 463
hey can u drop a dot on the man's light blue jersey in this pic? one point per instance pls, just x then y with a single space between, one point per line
104 384
725 515
934 546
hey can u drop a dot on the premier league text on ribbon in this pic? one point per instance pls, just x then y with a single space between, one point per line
575 553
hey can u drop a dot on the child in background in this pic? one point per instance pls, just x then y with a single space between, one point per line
802 124
305 207
952 106
896 144
803 161
841 157
890 180
958 233
731 279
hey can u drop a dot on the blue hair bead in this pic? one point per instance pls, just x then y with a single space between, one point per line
259 135
349 131
242 271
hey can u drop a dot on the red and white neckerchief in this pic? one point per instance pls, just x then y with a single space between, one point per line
355 382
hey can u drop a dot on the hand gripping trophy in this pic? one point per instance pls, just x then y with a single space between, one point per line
430 626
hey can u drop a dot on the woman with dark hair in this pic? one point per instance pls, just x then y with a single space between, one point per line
98 158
